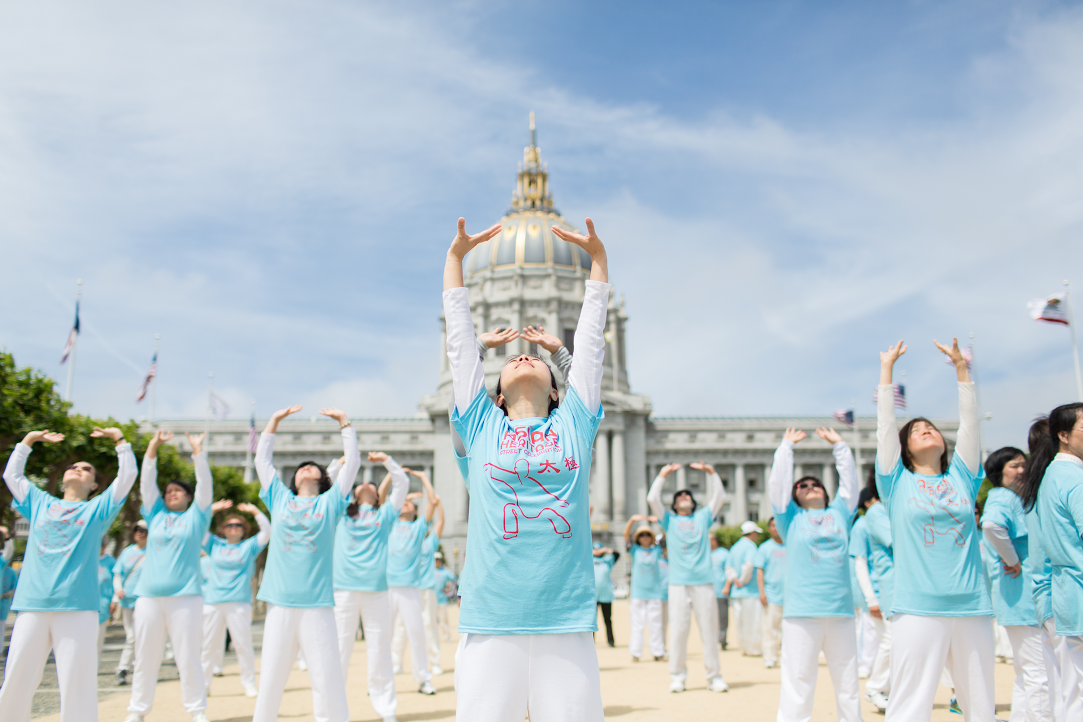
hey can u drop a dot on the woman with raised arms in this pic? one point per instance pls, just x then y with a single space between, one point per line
529 615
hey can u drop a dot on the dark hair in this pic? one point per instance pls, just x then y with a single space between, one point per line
870 486
325 480
352 509
1061 419
1038 430
231 517
184 485
995 463
793 489
865 497
904 443
683 492
553 403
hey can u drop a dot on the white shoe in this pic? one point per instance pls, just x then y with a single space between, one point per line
250 691
877 699
200 716
426 688
217 672
397 669
437 669
391 718
676 685
302 665
133 717
718 685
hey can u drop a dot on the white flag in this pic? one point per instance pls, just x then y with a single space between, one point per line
1052 309
219 408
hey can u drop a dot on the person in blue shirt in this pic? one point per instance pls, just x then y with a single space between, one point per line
170 603
57 596
1004 526
647 588
818 605
940 610
875 573
744 595
106 562
126 574
227 590
604 559
691 578
663 578
719 555
1054 487
770 575
530 587
9 580
298 580
427 585
446 591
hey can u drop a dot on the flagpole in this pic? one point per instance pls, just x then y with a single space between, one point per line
248 451
857 438
210 401
75 341
154 381
1075 346
977 394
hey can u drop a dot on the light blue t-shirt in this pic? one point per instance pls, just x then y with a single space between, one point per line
230 569
444 578
105 586
771 558
174 538
689 544
130 568
300 557
881 561
428 561
529 519
817 560
1013 597
718 570
1060 507
663 577
743 550
404 560
938 567
60 565
647 572
361 548
859 547
8 582
603 580
1041 569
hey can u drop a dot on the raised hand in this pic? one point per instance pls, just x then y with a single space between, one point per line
337 414
702 466
962 368
157 439
463 242
221 505
668 469
599 265
276 417
378 457
793 435
652 518
498 337
196 442
829 435
538 335
49 437
414 495
111 432
249 508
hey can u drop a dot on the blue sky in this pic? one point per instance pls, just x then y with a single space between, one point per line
785 188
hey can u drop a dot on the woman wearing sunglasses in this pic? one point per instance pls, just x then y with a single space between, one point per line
170 602
818 606
227 591
57 596
941 610
529 611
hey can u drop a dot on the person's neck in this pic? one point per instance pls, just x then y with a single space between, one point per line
927 463
143 545
308 490
1065 449
71 494
525 408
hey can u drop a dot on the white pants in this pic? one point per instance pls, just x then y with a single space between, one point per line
803 638
127 616
237 617
1003 644
313 630
101 638
1030 695
646 613
683 601
373 609
747 610
868 641
441 621
880 670
406 603
550 677
72 637
922 646
772 634
181 619
428 621
1071 675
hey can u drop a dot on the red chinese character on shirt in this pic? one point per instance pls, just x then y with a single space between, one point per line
571 463
548 466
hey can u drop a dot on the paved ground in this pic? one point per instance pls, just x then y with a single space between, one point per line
631 692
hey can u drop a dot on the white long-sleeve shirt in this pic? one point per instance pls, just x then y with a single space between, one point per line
203 496
19 485
344 478
1001 541
967 445
780 483
716 495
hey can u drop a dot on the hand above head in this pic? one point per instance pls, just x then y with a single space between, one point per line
378 457
196 442
463 242
414 495
249 508
887 361
592 244
668 469
829 435
538 335
652 518
337 414
793 435
276 417
157 439
498 337
962 366
702 466
639 517
111 432
49 437
221 505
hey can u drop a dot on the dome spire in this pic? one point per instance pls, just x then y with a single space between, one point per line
532 189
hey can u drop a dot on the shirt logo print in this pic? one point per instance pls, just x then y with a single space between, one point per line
531 443
938 499
57 532
168 535
531 500
300 527
823 528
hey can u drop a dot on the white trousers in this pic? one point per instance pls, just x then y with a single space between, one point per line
441 621
880 670
1071 676
373 609
313 631
1030 695
127 616
747 610
922 646
237 617
72 637
1052 646
406 603
1003 644
868 641
429 622
550 677
181 618
772 634
646 613
803 638
683 601
101 638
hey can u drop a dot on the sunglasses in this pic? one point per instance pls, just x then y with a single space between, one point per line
77 467
809 485
233 523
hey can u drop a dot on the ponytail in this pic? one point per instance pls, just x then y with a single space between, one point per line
1062 418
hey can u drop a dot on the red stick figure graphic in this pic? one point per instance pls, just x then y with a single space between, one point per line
939 499
532 500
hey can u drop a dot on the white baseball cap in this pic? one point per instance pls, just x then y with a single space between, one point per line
750 527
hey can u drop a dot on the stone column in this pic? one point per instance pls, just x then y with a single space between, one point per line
830 482
602 487
739 498
366 474
682 477
620 482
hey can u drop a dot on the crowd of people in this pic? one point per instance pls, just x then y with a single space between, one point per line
903 579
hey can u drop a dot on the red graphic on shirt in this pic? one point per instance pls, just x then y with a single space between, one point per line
301 524
548 466
57 531
940 500
530 443
824 532
571 464
532 500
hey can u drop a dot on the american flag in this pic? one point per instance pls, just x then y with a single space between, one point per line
1052 309
900 396
845 416
151 373
71 337
253 437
